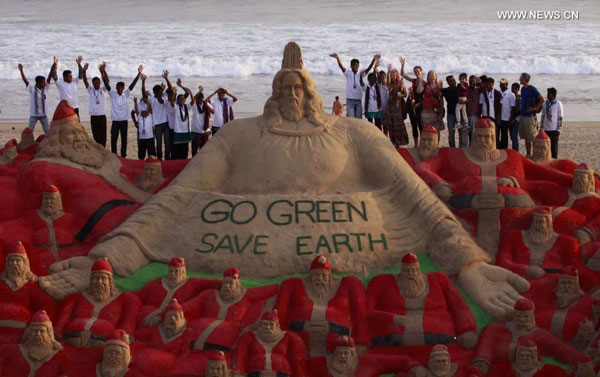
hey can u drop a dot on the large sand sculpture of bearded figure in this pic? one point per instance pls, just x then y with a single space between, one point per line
268 193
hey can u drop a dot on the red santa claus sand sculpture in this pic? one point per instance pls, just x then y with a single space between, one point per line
87 319
28 144
20 295
440 365
38 354
320 308
216 366
270 351
428 146
487 187
156 295
498 340
11 159
527 363
538 251
579 214
418 310
115 359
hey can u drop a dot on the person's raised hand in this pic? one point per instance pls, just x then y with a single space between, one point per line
79 60
20 66
55 60
143 77
86 66
377 57
334 55
402 60
140 69
179 82
165 74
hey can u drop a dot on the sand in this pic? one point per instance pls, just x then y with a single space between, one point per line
579 141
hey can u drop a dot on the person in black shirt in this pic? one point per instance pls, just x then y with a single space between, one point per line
451 96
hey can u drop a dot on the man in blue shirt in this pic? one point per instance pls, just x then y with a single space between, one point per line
531 104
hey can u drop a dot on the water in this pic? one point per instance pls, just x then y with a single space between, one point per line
238 44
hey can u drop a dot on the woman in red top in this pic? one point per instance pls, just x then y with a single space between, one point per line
432 104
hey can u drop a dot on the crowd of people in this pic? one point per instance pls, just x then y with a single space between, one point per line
388 103
166 122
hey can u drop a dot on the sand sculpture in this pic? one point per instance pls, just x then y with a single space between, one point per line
428 146
332 186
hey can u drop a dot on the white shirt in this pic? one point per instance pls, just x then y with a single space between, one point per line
68 91
119 104
556 111
372 107
218 119
97 100
181 125
159 110
353 85
484 110
145 127
41 100
170 110
198 119
508 102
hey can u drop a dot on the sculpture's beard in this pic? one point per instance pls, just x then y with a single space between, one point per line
484 152
112 366
173 280
39 346
82 154
7 157
101 292
566 297
580 186
526 366
16 274
440 371
230 293
268 336
319 289
219 371
172 327
425 151
539 234
541 156
345 367
411 286
291 109
150 180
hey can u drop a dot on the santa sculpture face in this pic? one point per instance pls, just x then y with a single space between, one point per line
101 286
427 145
51 203
231 288
115 358
439 364
9 154
16 268
268 330
541 151
524 320
176 274
567 291
541 228
319 282
583 182
291 102
152 172
411 280
526 359
173 323
344 360
215 369
484 144
38 341
77 147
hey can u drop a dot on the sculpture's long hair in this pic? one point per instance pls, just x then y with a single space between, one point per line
313 104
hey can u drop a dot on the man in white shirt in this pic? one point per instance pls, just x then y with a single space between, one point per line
353 89
97 107
145 128
223 108
159 104
552 116
37 99
119 109
67 86
508 112
201 122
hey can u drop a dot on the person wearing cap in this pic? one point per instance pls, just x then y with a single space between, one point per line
161 345
320 308
88 318
223 108
488 187
156 295
551 121
27 144
269 351
38 354
20 295
565 311
579 213
116 359
216 365
37 98
428 146
539 250
145 123
153 176
412 309
440 365
527 362
498 340
507 113
220 314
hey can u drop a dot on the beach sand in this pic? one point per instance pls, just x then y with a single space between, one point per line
578 140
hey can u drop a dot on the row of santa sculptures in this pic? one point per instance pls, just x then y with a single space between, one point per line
408 324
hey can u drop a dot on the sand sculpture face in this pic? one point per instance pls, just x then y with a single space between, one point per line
484 144
39 341
51 204
583 182
439 364
526 359
268 331
319 282
9 155
69 140
16 269
231 288
412 283
152 176
567 291
173 323
115 359
176 274
524 320
345 360
291 102
101 286
541 151
216 369
428 144
541 228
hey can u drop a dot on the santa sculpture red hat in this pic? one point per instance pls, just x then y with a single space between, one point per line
542 135
11 143
215 355
102 265
584 168
27 131
64 113
40 318
439 349
118 337
410 258
177 262
174 307
524 305
270 315
344 341
152 160
543 210
429 129
320 262
484 123
526 343
19 250
231 272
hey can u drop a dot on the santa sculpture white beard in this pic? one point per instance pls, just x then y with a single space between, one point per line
345 367
39 346
484 152
411 286
566 297
539 234
82 154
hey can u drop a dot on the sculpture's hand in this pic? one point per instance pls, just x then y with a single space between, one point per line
585 332
152 320
68 276
534 272
467 340
482 365
508 182
583 236
443 191
493 288
398 320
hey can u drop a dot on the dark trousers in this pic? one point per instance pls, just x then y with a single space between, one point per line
375 121
502 143
215 130
180 151
198 142
146 146
415 122
514 135
118 126
170 151
161 132
98 123
553 135
77 112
